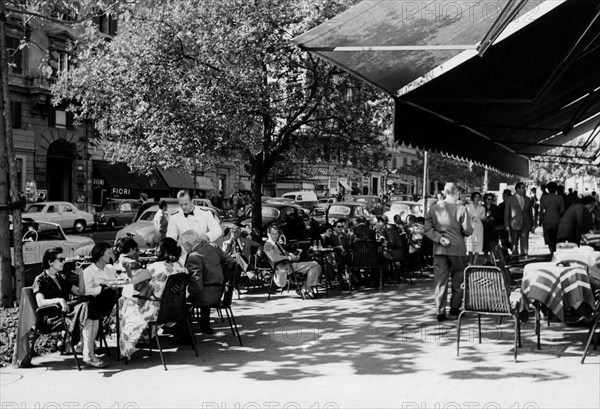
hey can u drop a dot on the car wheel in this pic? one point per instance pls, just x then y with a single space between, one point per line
79 226
112 223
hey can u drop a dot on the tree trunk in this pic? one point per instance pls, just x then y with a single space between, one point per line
256 184
6 281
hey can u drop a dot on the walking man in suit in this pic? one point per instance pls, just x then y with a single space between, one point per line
518 219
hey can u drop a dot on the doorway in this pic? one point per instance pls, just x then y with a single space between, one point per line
59 170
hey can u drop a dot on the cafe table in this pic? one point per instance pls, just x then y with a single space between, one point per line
319 254
558 286
584 254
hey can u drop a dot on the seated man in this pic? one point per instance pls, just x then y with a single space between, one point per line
279 257
240 248
209 268
363 231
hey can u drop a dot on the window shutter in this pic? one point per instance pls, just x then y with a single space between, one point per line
70 120
112 29
16 114
51 117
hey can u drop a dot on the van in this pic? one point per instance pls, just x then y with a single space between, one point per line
305 198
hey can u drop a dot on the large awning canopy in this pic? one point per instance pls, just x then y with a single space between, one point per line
492 81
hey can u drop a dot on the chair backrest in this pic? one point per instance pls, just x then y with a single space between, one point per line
486 290
364 254
500 262
172 302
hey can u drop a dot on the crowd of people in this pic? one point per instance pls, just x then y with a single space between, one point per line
457 234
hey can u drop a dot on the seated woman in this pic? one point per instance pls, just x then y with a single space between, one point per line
135 313
51 288
97 277
126 251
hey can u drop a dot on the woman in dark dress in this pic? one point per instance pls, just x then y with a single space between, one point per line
54 288
489 223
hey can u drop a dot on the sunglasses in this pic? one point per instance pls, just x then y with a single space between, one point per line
60 259
338 227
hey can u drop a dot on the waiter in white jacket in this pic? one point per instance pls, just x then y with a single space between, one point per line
192 217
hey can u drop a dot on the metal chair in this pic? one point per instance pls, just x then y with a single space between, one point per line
365 257
486 292
171 309
39 327
225 304
292 278
593 328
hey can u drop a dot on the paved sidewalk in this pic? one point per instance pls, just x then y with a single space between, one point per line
360 350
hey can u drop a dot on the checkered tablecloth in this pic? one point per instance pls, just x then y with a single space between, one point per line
559 288
583 254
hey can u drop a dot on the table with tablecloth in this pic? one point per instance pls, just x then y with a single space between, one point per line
560 288
584 254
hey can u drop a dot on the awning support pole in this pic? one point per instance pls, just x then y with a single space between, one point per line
425 165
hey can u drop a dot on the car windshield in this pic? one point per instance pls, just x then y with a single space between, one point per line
35 208
343 210
270 212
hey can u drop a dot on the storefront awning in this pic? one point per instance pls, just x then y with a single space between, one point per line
495 82
204 183
245 185
176 179
119 176
345 185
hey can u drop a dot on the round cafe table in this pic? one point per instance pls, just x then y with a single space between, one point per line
584 254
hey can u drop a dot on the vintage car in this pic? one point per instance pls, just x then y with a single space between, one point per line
65 214
142 230
350 211
117 212
39 236
289 217
404 208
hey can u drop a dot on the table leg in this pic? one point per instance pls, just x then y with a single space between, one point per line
536 305
118 332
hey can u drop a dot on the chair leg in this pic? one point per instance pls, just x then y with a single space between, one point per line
537 324
150 340
72 349
380 280
517 335
220 314
233 324
162 358
458 332
192 336
479 326
591 336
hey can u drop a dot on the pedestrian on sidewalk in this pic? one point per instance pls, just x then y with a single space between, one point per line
446 225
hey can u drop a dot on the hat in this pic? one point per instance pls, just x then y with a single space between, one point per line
383 218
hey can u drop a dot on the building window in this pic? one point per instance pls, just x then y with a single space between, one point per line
405 161
15 55
63 62
106 24
15 107
59 118
394 163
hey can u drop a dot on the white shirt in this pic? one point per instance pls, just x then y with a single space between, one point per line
93 277
201 221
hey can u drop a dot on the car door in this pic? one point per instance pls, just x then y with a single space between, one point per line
67 213
125 215
52 213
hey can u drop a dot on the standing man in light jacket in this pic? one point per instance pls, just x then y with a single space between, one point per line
192 217
446 224
518 219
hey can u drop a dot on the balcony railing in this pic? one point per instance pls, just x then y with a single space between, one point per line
41 83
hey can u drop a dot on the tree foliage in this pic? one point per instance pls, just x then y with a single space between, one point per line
197 80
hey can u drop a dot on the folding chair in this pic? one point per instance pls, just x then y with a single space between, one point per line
225 304
171 309
486 292
365 257
292 278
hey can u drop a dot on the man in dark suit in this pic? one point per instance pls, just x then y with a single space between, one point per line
240 248
518 219
210 269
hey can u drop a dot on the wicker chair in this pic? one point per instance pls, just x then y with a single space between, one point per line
486 292
365 257
172 309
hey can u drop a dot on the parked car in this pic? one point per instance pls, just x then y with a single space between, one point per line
304 198
39 236
319 213
405 198
371 201
404 208
291 219
117 212
350 211
327 200
65 214
142 230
